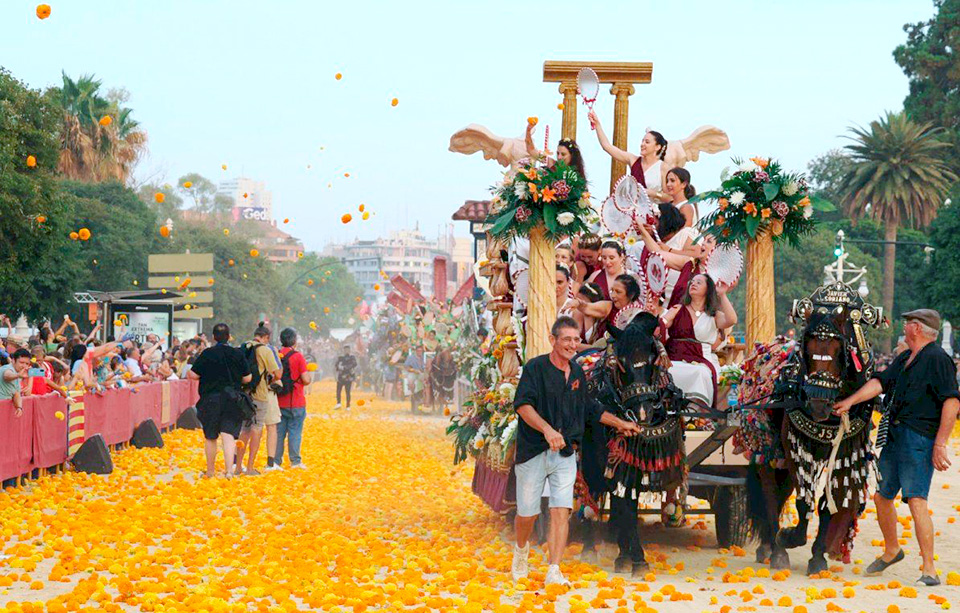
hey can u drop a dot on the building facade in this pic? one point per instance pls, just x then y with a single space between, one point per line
252 201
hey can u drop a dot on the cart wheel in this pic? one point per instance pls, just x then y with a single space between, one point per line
730 508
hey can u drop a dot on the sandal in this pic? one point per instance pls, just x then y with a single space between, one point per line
879 565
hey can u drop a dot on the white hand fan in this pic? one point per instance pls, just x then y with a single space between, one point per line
656 274
614 220
625 193
588 85
725 264
521 285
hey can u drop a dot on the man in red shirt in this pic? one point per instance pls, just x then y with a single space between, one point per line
293 404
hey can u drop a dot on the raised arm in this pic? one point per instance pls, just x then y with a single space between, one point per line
673 260
726 315
613 151
597 310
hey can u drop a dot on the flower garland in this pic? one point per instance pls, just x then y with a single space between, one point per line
758 197
537 192
487 418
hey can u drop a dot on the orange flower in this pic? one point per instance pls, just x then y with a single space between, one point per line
230 262
226 231
84 234
338 76
43 11
497 353
532 188
724 203
548 195
532 121
245 194
309 281
720 220
765 213
41 218
394 102
326 310
188 184
531 173
106 120
361 207
254 253
74 236
164 231
804 202
223 166
366 215
346 218
761 162
210 281
31 161
750 208
286 220
560 107
159 197
376 287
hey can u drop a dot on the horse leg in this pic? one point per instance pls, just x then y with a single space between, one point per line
589 553
757 512
818 560
631 556
767 500
796 536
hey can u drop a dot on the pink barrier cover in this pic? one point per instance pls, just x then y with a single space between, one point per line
16 440
145 404
49 432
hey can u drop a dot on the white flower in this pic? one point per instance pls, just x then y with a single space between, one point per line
736 198
747 166
565 218
725 173
520 190
807 212
790 188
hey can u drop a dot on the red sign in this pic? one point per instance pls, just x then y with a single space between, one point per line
440 278
406 289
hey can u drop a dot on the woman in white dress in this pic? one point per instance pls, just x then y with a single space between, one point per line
680 191
647 168
693 327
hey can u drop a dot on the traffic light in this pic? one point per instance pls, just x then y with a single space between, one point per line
838 247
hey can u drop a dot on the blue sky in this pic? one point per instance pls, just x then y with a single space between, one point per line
251 85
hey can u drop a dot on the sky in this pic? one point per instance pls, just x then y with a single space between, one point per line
251 85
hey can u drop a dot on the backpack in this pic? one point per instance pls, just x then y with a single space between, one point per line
250 355
286 379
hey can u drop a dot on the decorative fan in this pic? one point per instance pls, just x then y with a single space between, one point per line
645 207
626 192
725 264
521 285
615 221
656 274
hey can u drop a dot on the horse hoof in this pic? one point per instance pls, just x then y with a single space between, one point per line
639 569
763 553
622 565
589 556
791 538
816 566
779 560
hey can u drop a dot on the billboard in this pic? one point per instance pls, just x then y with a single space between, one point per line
140 319
250 213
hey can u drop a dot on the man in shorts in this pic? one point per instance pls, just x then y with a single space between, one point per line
923 401
553 404
265 401
221 370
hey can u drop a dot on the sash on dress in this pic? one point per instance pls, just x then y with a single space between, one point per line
636 171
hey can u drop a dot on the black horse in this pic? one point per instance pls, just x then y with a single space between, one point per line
826 458
633 383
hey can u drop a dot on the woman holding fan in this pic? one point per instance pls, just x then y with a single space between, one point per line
647 168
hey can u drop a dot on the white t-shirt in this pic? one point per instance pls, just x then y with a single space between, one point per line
133 367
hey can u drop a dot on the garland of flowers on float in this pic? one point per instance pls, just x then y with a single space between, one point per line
537 192
761 196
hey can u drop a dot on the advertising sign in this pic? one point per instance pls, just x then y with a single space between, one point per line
251 213
141 319
186 328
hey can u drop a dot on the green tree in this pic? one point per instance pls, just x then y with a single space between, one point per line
172 202
899 176
311 286
38 266
931 62
825 174
941 278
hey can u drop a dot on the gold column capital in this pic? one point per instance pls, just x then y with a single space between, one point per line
622 89
568 87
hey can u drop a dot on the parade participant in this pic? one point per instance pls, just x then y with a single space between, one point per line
592 331
587 258
568 152
923 404
221 370
564 256
553 405
265 367
613 264
647 168
292 400
678 188
345 367
414 366
624 304
565 304
692 328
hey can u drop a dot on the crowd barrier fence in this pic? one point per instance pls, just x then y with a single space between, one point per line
40 440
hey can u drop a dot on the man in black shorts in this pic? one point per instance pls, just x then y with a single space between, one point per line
221 370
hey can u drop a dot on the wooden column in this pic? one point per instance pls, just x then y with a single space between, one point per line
569 127
761 306
542 296
621 106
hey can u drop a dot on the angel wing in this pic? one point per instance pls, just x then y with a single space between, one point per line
473 138
706 139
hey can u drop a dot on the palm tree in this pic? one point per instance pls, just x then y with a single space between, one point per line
899 176
91 151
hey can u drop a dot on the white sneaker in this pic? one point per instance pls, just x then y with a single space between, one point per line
273 468
555 577
336 406
300 465
520 568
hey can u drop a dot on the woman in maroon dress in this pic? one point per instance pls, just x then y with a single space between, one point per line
613 259
647 168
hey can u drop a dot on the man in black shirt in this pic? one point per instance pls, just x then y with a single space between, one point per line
923 402
221 370
346 366
553 404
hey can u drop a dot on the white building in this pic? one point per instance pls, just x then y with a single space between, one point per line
405 252
252 200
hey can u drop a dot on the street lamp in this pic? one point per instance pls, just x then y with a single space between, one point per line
863 290
841 268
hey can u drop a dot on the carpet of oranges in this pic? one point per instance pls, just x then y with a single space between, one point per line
379 520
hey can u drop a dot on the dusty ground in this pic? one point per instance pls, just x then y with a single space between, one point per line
381 520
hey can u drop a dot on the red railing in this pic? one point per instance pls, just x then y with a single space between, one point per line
39 439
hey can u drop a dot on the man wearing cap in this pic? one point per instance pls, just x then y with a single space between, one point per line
923 401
